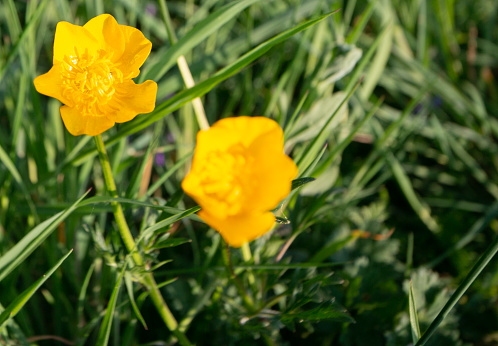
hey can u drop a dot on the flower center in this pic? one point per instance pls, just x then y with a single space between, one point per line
89 81
226 179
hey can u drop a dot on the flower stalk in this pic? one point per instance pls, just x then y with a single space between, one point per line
126 236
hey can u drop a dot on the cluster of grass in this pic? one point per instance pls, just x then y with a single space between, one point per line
389 104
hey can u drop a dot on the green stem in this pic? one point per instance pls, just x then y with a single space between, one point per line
126 236
248 302
247 256
469 279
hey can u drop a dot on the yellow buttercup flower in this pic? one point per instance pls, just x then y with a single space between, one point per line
92 73
239 173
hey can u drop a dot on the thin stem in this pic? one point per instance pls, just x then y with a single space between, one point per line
469 279
247 256
248 302
126 236
184 69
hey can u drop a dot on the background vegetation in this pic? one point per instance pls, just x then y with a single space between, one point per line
405 165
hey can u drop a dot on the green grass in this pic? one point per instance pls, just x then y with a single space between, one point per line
390 105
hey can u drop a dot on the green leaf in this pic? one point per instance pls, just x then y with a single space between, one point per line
166 222
331 248
170 242
300 182
324 311
169 210
413 315
129 289
11 167
13 52
105 327
17 254
195 36
455 297
21 300
423 211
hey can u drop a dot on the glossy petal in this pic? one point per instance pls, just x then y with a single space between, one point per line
50 84
133 99
268 151
79 124
240 229
108 33
93 67
137 49
71 40
239 173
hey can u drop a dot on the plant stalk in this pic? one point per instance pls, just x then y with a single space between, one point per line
126 236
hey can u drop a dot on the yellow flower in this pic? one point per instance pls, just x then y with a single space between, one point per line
239 173
92 73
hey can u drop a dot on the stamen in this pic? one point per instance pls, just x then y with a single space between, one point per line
90 81
225 179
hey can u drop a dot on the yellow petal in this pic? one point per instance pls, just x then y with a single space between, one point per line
69 38
50 84
274 171
108 33
240 229
137 49
78 124
214 139
248 128
132 99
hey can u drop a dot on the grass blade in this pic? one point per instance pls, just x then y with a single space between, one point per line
17 254
105 328
21 300
455 297
413 315
195 36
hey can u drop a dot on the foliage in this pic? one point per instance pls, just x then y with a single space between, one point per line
388 104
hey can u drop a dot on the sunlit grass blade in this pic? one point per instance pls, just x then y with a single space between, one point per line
414 326
18 253
201 88
455 297
14 307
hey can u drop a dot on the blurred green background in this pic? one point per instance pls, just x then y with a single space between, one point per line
412 150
